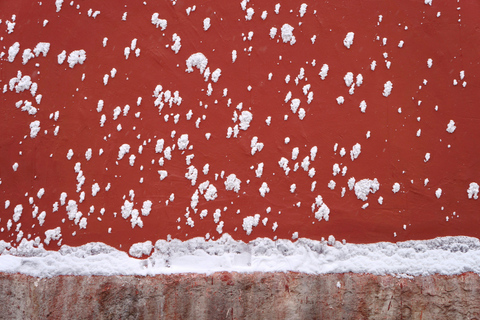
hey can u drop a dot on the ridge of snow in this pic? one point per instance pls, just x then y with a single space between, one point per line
443 255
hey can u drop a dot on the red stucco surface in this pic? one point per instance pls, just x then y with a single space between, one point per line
392 154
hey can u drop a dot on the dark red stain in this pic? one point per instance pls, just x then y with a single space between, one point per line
393 153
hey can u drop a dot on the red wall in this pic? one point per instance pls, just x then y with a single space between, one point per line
392 154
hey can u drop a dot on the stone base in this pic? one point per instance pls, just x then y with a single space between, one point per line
240 296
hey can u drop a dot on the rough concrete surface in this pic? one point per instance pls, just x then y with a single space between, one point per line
240 296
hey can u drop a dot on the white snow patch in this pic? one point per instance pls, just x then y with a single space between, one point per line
163 174
191 175
76 57
355 152
264 189
287 34
157 22
250 12
124 149
273 32
216 74
61 57
197 60
359 80
324 71
41 47
250 222
95 189
17 212
210 193
34 128
13 51
176 43
58 5
232 183
363 106
142 248
348 79
51 234
294 105
396 187
255 145
387 88
245 118
303 9
206 24
427 156
451 126
348 41
364 187
27 55
473 190
183 142
159 146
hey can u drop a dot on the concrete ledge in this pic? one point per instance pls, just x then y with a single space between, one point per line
240 296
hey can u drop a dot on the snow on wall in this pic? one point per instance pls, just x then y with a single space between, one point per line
446 255
167 120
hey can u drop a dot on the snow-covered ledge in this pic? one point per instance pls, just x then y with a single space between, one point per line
444 255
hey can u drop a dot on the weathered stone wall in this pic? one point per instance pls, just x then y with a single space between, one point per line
240 296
